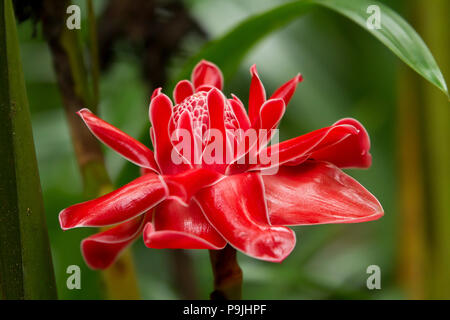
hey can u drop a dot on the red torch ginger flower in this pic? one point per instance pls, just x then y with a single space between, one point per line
185 200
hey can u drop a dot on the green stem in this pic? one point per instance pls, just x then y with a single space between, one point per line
26 270
227 274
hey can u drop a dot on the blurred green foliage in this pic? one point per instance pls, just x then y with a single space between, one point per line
347 74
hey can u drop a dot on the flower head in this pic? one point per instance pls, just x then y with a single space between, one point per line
212 179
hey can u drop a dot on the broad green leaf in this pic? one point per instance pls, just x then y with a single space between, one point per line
395 33
229 50
26 270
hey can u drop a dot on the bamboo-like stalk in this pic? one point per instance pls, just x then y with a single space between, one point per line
424 154
26 270
227 274
120 279
435 26
412 241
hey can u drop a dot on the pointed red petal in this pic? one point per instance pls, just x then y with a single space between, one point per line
155 93
257 96
286 91
240 113
299 149
207 73
270 114
160 116
317 192
119 141
120 205
178 227
216 110
184 139
236 207
102 249
182 90
352 152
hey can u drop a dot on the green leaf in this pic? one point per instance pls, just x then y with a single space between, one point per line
229 50
26 270
396 34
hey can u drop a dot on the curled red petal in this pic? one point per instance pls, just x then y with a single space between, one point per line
182 90
352 152
286 91
184 185
207 73
317 192
120 205
102 249
299 149
257 95
236 208
178 227
119 141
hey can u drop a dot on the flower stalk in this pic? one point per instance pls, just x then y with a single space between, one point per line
227 274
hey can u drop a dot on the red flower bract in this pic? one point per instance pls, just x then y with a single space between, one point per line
196 204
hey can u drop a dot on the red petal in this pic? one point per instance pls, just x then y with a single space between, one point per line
299 149
182 90
286 91
207 73
236 207
186 184
240 113
205 87
216 109
257 96
178 227
352 152
270 115
160 116
120 205
119 141
315 193
102 249
190 150
156 93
